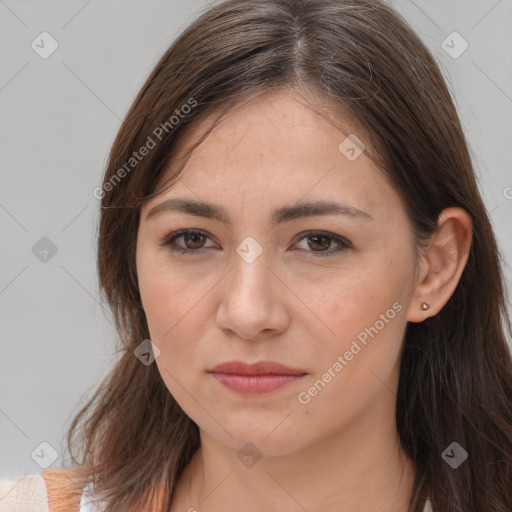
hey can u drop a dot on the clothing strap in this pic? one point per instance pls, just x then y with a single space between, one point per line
64 491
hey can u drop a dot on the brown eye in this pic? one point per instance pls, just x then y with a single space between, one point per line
318 244
193 240
192 244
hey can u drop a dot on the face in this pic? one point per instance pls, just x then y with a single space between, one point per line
325 293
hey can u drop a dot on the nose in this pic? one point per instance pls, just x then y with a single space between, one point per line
254 300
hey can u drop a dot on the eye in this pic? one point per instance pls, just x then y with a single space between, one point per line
321 240
191 237
194 242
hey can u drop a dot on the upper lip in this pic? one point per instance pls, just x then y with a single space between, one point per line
259 368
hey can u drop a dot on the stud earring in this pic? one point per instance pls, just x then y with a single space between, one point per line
425 306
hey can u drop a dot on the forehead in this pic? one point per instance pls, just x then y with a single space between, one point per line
276 148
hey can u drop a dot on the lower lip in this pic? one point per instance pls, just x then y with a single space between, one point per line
255 384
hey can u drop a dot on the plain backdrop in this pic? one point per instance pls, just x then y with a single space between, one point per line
59 116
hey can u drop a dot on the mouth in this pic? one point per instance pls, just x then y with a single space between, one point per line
257 378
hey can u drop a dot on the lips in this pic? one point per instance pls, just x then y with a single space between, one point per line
256 378
260 368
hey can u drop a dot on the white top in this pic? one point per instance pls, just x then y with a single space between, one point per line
86 503
24 494
29 494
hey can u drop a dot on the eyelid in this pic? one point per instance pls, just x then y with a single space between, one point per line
170 238
343 243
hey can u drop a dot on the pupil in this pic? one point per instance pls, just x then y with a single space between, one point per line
192 235
320 237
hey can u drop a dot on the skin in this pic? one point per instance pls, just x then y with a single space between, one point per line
340 451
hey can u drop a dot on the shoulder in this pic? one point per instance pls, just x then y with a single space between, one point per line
54 490
26 493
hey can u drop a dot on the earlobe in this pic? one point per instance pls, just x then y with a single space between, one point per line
443 263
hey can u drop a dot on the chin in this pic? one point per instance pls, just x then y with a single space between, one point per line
270 439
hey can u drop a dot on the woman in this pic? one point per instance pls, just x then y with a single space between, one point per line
304 278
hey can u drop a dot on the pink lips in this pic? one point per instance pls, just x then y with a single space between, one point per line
257 378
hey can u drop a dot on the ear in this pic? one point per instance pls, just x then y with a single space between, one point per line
442 263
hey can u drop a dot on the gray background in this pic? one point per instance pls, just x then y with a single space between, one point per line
59 118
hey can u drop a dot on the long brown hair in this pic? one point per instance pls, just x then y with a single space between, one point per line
456 368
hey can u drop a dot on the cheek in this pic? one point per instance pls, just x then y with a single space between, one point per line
176 311
348 303
169 297
363 321
365 336
171 310
356 366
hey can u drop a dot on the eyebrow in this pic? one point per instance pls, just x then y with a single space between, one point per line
280 215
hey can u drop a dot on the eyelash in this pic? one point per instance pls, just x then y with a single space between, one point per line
343 244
